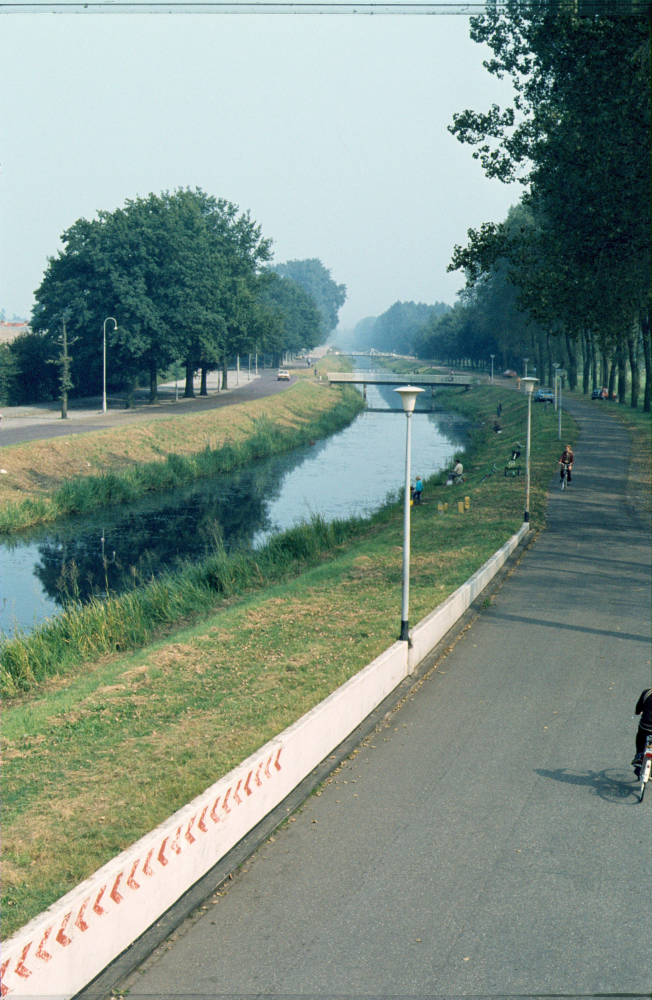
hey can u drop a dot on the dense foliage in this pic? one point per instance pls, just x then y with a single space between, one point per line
576 252
315 279
184 276
394 331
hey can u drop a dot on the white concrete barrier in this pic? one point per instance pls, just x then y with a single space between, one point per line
63 949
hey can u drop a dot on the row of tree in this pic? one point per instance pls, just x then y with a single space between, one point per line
569 269
394 331
187 279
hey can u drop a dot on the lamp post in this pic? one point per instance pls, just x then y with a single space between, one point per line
559 374
115 327
525 361
529 386
492 356
408 394
555 378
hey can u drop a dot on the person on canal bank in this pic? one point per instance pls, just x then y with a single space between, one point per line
418 489
499 410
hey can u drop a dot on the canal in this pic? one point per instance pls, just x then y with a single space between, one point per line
352 472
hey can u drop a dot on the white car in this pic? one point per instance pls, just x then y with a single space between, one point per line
283 374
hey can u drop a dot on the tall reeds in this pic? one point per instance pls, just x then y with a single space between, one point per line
84 632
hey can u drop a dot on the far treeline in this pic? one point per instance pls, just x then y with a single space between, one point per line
187 278
566 277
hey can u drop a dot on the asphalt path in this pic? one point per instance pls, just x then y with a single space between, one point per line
36 427
486 841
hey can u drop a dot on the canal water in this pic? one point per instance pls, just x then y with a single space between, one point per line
351 472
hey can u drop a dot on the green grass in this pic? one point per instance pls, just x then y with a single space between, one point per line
83 494
96 755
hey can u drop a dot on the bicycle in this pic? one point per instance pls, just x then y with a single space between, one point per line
493 469
565 474
642 769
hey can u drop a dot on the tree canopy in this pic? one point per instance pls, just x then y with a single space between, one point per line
315 279
577 138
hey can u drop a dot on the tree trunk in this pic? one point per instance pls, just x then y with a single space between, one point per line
586 363
594 362
645 332
604 375
572 362
225 373
622 371
130 400
632 345
613 366
203 391
153 382
189 391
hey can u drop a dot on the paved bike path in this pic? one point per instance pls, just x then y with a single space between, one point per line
487 841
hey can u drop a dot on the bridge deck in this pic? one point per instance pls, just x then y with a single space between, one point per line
391 378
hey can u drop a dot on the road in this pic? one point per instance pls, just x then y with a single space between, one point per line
487 841
37 426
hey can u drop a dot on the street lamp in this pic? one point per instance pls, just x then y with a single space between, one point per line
529 386
115 327
408 394
525 361
555 378
492 356
559 374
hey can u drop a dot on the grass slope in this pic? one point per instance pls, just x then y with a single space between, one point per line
96 757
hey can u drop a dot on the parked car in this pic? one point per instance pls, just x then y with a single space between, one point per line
510 373
283 374
544 396
600 393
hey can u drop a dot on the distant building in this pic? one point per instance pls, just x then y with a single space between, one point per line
9 331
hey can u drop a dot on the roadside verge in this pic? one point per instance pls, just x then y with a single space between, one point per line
69 945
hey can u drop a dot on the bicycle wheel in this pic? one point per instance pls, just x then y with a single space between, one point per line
645 774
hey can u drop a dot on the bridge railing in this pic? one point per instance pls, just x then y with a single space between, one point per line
391 378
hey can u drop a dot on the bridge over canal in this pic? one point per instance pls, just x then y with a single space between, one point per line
392 378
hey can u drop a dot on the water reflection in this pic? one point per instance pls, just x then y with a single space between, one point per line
351 472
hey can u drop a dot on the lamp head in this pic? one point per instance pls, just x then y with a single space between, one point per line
408 394
529 383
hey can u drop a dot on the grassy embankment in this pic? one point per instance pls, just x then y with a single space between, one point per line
58 477
98 755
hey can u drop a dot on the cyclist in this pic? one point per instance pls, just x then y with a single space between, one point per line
566 460
644 709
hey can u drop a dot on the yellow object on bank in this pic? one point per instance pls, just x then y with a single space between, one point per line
467 502
460 506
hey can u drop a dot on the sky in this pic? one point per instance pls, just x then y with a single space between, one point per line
330 129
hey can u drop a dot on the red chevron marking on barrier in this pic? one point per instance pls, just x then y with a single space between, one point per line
96 905
246 784
214 815
267 774
114 894
189 837
4 989
62 937
236 794
147 869
22 970
174 846
256 775
160 856
41 953
80 922
276 763
131 881
226 799
201 826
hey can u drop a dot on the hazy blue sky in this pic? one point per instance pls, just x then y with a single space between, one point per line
331 130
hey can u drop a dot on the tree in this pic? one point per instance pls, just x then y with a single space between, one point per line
315 279
297 322
173 269
577 138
